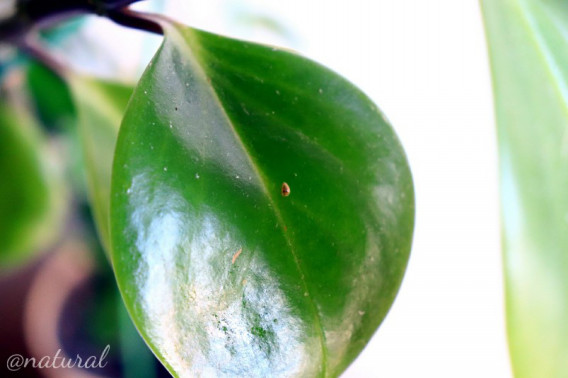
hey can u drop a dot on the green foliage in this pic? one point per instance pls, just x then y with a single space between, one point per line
222 272
29 203
100 106
51 98
257 208
529 57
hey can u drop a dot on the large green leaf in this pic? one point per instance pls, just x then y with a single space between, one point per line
223 271
100 107
529 56
30 194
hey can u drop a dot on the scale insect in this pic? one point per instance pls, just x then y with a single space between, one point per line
285 190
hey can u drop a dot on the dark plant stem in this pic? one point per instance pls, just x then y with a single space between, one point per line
128 18
20 28
34 14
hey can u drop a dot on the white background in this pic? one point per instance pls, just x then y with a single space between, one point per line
425 64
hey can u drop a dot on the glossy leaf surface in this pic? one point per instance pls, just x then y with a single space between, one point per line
224 271
100 106
529 57
29 210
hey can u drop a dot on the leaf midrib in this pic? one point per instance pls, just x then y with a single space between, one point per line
190 40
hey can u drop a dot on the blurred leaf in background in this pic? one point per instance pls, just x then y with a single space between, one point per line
529 59
101 105
51 98
31 191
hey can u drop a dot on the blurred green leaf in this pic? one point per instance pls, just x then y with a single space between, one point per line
224 271
529 58
51 97
30 194
100 106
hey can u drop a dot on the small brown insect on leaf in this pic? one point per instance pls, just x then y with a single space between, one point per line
285 190
236 255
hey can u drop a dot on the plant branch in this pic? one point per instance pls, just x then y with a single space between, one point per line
128 18
31 14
